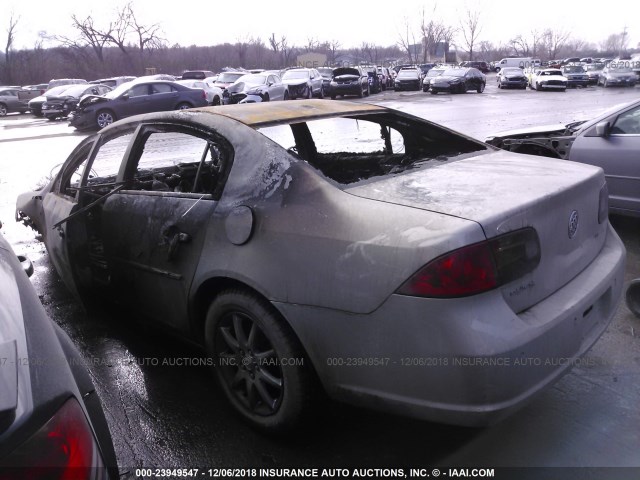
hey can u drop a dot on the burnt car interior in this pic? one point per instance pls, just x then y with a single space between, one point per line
157 160
377 145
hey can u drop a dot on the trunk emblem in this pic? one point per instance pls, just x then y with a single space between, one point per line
573 224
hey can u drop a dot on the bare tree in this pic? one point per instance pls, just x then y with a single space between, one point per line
407 40
471 28
8 56
286 51
90 35
434 32
332 48
369 51
526 46
311 45
553 41
148 37
274 44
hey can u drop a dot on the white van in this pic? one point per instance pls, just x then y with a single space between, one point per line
517 62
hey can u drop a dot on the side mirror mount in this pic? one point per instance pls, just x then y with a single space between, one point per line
125 96
603 129
27 265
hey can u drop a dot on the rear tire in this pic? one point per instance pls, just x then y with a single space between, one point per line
3 110
481 88
183 106
286 95
216 101
247 340
633 297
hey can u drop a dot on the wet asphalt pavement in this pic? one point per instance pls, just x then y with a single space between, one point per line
166 412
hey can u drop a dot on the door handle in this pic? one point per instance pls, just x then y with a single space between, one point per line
174 238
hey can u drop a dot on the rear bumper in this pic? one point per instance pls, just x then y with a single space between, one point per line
468 361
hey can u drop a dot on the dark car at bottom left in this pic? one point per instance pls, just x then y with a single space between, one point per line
52 425
133 98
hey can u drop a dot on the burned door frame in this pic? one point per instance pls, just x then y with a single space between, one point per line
152 238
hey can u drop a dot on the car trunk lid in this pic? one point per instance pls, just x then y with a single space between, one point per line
502 193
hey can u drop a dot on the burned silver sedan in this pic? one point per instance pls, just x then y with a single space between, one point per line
340 246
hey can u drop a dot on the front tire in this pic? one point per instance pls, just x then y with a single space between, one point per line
216 101
248 340
286 95
480 88
104 118
309 92
3 109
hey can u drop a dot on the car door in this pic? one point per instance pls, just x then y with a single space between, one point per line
617 154
156 227
69 208
134 101
163 97
276 88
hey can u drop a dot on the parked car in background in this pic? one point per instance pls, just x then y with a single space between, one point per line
56 82
214 94
424 242
196 74
511 77
548 79
569 60
134 98
10 102
459 80
258 87
303 83
60 106
386 80
610 141
53 425
375 85
617 74
515 62
35 104
434 72
408 78
29 92
594 70
227 78
327 75
113 82
349 81
482 66
576 75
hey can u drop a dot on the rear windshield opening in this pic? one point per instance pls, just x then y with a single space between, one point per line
353 149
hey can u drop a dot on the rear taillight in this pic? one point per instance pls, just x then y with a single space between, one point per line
204 94
63 449
477 268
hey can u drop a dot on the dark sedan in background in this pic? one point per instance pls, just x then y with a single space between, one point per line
60 106
51 421
511 78
133 98
459 80
327 75
256 87
408 79
576 75
349 81
375 85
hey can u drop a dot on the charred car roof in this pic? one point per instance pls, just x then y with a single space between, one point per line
267 114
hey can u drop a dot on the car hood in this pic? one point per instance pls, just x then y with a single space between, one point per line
346 76
92 99
294 81
557 128
551 77
502 192
243 87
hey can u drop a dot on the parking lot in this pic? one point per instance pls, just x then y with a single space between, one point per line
170 414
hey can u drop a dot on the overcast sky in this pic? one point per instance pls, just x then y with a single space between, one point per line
349 22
